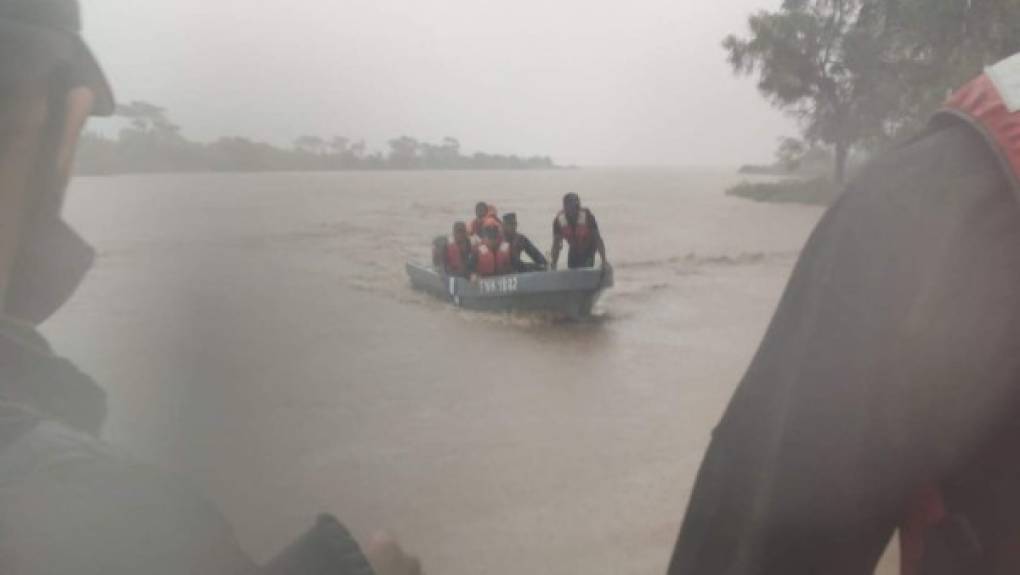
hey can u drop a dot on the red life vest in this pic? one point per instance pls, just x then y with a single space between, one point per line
456 263
925 510
991 104
476 226
493 264
580 235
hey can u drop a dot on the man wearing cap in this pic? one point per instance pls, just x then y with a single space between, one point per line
578 227
885 395
69 503
520 244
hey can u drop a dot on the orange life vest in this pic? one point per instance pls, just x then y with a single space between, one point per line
491 218
580 235
493 264
456 263
477 225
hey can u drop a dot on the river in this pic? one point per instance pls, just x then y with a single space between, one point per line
257 334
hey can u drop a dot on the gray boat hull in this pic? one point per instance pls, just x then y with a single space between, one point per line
569 292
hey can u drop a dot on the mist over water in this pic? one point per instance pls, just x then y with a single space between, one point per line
257 334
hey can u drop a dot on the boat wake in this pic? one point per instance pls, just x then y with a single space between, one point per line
695 260
371 260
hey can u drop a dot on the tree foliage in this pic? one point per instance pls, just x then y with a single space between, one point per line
862 73
150 142
938 45
821 60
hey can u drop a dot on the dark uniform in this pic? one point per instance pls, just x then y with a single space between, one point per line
521 244
890 370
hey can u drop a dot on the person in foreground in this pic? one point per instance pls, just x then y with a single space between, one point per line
520 244
578 227
886 392
69 503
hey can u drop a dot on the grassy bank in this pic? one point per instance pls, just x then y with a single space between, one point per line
815 191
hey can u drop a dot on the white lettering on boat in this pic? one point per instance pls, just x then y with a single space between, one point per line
498 286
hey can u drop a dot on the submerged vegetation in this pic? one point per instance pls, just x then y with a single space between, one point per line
861 75
150 142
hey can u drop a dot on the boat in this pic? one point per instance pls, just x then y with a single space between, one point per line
572 293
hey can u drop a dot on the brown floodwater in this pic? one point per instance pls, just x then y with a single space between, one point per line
257 334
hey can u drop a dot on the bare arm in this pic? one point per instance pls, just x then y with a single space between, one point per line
600 246
557 246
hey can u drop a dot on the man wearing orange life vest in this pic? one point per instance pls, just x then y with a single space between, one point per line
492 254
454 255
485 215
578 227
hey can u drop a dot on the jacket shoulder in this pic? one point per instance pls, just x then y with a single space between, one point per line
931 167
83 507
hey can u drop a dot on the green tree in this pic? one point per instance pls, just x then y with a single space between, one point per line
822 61
358 150
310 145
938 45
151 142
339 145
146 118
404 152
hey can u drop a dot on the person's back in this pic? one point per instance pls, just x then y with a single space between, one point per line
889 373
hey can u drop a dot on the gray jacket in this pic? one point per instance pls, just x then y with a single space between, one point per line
71 504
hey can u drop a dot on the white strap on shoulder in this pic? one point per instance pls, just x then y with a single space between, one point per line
1006 77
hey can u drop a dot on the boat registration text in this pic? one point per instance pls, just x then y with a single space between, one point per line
495 286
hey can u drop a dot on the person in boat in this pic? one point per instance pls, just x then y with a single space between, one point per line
578 227
485 215
457 253
520 244
439 244
492 254
71 504
885 395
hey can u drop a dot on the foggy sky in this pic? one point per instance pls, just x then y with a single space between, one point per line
590 82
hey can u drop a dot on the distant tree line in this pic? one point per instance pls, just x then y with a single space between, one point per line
150 142
864 74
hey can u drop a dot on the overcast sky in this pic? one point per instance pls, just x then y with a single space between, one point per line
591 82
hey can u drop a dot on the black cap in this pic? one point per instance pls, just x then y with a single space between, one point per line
510 217
571 198
55 25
